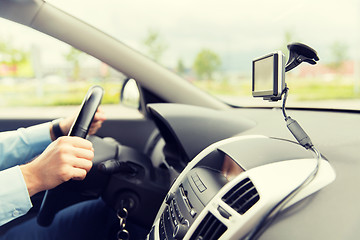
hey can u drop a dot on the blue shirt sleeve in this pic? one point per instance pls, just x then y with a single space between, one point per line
15 200
18 147
21 146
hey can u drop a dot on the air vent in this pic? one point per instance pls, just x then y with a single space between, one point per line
210 228
242 197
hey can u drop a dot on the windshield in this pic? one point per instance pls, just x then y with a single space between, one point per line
212 43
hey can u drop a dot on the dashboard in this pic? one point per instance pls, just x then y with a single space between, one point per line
223 197
231 186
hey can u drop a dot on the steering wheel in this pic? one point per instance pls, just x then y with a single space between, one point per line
80 128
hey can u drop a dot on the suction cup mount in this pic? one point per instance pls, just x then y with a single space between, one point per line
300 53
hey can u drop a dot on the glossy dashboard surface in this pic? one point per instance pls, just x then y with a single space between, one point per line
333 133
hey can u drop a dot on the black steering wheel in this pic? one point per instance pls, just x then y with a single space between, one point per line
80 128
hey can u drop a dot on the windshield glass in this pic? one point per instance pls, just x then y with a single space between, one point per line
212 43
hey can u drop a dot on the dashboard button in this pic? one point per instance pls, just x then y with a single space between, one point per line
169 197
180 231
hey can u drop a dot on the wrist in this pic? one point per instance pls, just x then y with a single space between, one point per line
55 129
33 185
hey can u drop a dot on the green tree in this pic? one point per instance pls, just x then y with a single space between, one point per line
155 45
74 56
180 67
206 63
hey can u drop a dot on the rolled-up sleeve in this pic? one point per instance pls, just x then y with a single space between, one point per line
16 148
20 146
14 196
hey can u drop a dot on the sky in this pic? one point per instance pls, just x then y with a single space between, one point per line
238 31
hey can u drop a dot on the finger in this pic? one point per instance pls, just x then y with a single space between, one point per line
100 110
83 164
76 142
99 115
78 174
94 127
87 154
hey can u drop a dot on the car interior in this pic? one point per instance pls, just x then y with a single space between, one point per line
194 167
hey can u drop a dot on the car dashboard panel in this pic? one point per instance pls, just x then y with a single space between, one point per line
223 194
177 124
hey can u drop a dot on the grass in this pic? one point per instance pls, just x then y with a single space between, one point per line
315 90
29 94
26 94
302 89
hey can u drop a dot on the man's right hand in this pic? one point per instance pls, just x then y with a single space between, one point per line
64 159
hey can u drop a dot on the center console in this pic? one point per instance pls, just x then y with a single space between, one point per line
227 189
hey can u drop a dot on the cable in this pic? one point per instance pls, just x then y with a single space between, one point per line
277 209
293 126
304 140
285 93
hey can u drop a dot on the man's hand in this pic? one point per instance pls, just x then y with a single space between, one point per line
66 123
99 118
64 159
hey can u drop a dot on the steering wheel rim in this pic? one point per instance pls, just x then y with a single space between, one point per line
80 128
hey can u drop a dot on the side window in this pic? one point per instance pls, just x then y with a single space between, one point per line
39 71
